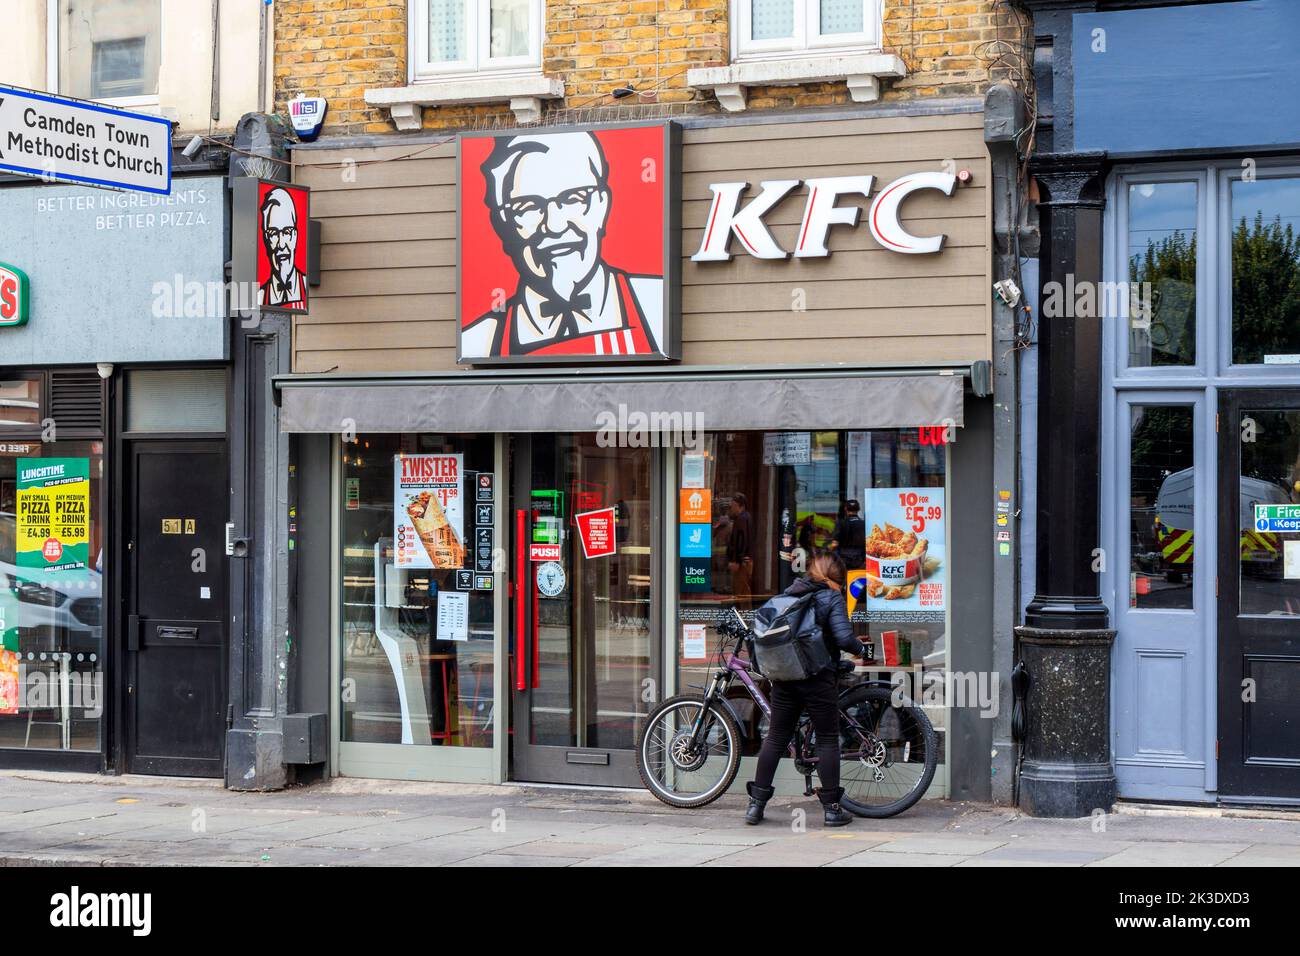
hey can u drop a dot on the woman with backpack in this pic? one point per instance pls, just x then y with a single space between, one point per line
818 693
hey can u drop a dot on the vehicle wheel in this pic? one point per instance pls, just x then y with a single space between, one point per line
900 768
674 774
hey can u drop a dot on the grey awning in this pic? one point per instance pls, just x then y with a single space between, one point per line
533 402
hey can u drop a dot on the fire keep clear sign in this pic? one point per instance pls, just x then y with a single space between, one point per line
63 140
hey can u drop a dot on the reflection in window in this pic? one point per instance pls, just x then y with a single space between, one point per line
109 48
406 680
20 402
1266 272
1162 267
1162 501
775 496
1270 475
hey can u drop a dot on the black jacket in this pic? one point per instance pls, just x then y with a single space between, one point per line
832 617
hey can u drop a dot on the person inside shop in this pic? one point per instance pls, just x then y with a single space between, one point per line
849 539
740 550
817 695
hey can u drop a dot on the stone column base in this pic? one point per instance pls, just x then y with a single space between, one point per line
1067 770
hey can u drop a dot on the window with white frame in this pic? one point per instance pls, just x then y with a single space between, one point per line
474 36
106 49
765 28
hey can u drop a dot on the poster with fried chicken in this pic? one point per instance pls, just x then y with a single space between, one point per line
427 511
905 549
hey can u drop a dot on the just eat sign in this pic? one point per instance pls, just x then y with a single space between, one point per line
15 296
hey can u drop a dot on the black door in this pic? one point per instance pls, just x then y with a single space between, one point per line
1259 596
585 666
175 597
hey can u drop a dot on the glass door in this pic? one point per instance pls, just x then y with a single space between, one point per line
584 668
1259 595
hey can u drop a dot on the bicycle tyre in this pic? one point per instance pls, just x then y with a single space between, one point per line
884 695
733 760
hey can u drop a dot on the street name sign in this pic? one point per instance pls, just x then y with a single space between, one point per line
62 140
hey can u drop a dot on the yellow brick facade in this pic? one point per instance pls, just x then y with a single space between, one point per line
340 48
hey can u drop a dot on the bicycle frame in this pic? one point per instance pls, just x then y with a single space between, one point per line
735 666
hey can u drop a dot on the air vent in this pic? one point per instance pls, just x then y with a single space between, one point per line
77 400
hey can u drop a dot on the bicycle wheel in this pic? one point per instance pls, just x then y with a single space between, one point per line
676 773
885 774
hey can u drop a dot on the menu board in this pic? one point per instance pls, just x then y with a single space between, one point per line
53 514
428 511
906 551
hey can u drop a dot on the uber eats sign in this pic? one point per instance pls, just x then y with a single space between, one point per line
15 296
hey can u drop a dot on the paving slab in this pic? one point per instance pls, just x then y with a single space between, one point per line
1173 854
516 859
662 854
876 858
960 845
1263 855
810 852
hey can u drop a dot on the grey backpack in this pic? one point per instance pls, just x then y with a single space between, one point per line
788 641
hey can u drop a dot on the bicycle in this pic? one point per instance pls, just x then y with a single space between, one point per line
689 752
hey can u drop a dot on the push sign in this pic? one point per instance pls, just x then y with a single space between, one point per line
15 296
1277 518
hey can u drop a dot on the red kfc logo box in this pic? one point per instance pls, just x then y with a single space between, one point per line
569 244
270 246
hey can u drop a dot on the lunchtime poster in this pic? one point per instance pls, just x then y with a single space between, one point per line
906 549
53 505
428 511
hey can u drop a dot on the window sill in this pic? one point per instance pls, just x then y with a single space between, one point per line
524 93
862 72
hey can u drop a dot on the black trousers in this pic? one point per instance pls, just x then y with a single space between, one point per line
790 699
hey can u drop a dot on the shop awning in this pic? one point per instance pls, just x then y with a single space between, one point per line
500 401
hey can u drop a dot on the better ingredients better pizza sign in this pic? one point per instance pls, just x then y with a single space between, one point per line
428 506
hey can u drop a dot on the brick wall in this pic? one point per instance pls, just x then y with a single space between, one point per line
340 48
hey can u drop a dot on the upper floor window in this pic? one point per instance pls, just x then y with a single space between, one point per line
106 49
789 27
466 36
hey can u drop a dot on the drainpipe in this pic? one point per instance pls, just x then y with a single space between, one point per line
1005 122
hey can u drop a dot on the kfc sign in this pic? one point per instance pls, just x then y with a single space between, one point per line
270 221
568 246
728 218
15 296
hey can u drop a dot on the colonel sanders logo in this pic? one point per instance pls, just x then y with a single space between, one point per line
551 201
281 264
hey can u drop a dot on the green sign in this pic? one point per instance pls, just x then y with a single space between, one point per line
15 296
53 513
1277 518
548 510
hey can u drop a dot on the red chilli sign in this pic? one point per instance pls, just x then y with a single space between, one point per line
596 529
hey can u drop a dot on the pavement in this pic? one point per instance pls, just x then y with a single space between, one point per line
92 820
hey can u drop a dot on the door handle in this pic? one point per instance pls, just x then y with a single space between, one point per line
532 589
521 614
133 632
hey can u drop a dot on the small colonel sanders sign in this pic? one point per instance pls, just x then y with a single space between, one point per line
282 246
568 246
